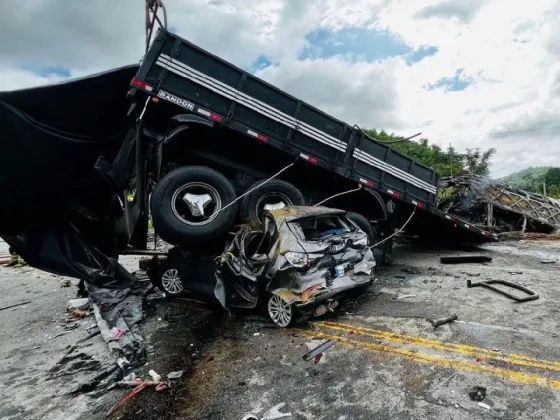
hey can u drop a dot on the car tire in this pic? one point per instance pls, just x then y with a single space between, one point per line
282 313
274 191
181 222
169 280
364 224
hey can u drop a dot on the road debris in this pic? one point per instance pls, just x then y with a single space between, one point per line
175 375
410 270
477 393
488 284
437 322
548 261
406 296
155 376
66 283
274 413
17 304
127 397
80 303
318 351
441 383
463 259
483 405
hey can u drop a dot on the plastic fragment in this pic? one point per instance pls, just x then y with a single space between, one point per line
483 405
155 376
175 375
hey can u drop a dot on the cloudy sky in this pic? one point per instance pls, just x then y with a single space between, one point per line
473 73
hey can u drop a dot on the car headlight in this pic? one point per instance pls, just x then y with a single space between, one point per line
296 259
362 241
299 259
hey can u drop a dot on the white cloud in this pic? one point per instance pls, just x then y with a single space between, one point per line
511 50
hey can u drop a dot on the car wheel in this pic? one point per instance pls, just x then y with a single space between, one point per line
364 224
186 205
169 280
274 194
279 311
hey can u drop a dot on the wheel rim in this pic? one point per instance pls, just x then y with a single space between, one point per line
270 201
279 311
171 281
196 203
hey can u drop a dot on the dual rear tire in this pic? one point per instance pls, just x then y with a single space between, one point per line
193 205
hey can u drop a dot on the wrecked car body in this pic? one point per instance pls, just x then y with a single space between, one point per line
300 264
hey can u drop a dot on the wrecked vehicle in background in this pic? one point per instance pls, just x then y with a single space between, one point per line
298 266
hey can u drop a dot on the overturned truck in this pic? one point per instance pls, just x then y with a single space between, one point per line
203 146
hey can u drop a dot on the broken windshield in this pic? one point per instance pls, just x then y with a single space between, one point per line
317 228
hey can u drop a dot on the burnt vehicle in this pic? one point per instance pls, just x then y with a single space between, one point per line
299 265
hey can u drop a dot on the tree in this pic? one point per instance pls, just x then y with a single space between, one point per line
477 162
552 177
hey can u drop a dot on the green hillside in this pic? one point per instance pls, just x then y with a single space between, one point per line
527 179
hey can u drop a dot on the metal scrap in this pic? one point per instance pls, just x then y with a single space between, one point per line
17 304
437 322
488 284
461 259
318 350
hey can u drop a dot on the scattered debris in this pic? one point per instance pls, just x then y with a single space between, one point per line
410 270
274 413
59 334
462 259
155 376
175 375
488 284
548 261
127 397
437 322
455 373
117 332
513 273
477 393
17 304
318 350
470 274
66 283
483 405
406 296
80 303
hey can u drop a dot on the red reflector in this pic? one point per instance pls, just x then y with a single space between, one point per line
308 158
215 117
141 84
417 204
366 182
262 138
396 194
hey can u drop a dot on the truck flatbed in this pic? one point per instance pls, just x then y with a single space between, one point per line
203 84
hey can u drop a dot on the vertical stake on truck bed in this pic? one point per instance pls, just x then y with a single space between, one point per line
239 87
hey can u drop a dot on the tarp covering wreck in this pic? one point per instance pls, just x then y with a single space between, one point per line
56 211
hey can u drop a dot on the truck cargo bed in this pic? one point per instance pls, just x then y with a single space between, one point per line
182 73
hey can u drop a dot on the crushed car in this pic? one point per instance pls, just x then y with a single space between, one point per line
299 265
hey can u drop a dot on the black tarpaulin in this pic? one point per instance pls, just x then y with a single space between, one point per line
55 209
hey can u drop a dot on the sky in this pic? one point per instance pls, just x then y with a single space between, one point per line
470 73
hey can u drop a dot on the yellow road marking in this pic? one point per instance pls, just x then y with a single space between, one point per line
525 378
464 349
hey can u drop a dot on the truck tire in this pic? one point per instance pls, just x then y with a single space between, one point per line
364 224
186 204
275 191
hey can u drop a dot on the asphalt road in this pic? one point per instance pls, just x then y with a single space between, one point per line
388 362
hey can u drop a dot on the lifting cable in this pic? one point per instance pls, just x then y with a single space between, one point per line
338 195
397 232
257 186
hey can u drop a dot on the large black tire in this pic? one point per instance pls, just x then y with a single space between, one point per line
273 191
175 223
364 224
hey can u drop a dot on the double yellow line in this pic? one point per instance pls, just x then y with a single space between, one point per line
388 342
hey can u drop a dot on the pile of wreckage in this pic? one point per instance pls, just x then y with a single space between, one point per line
497 207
